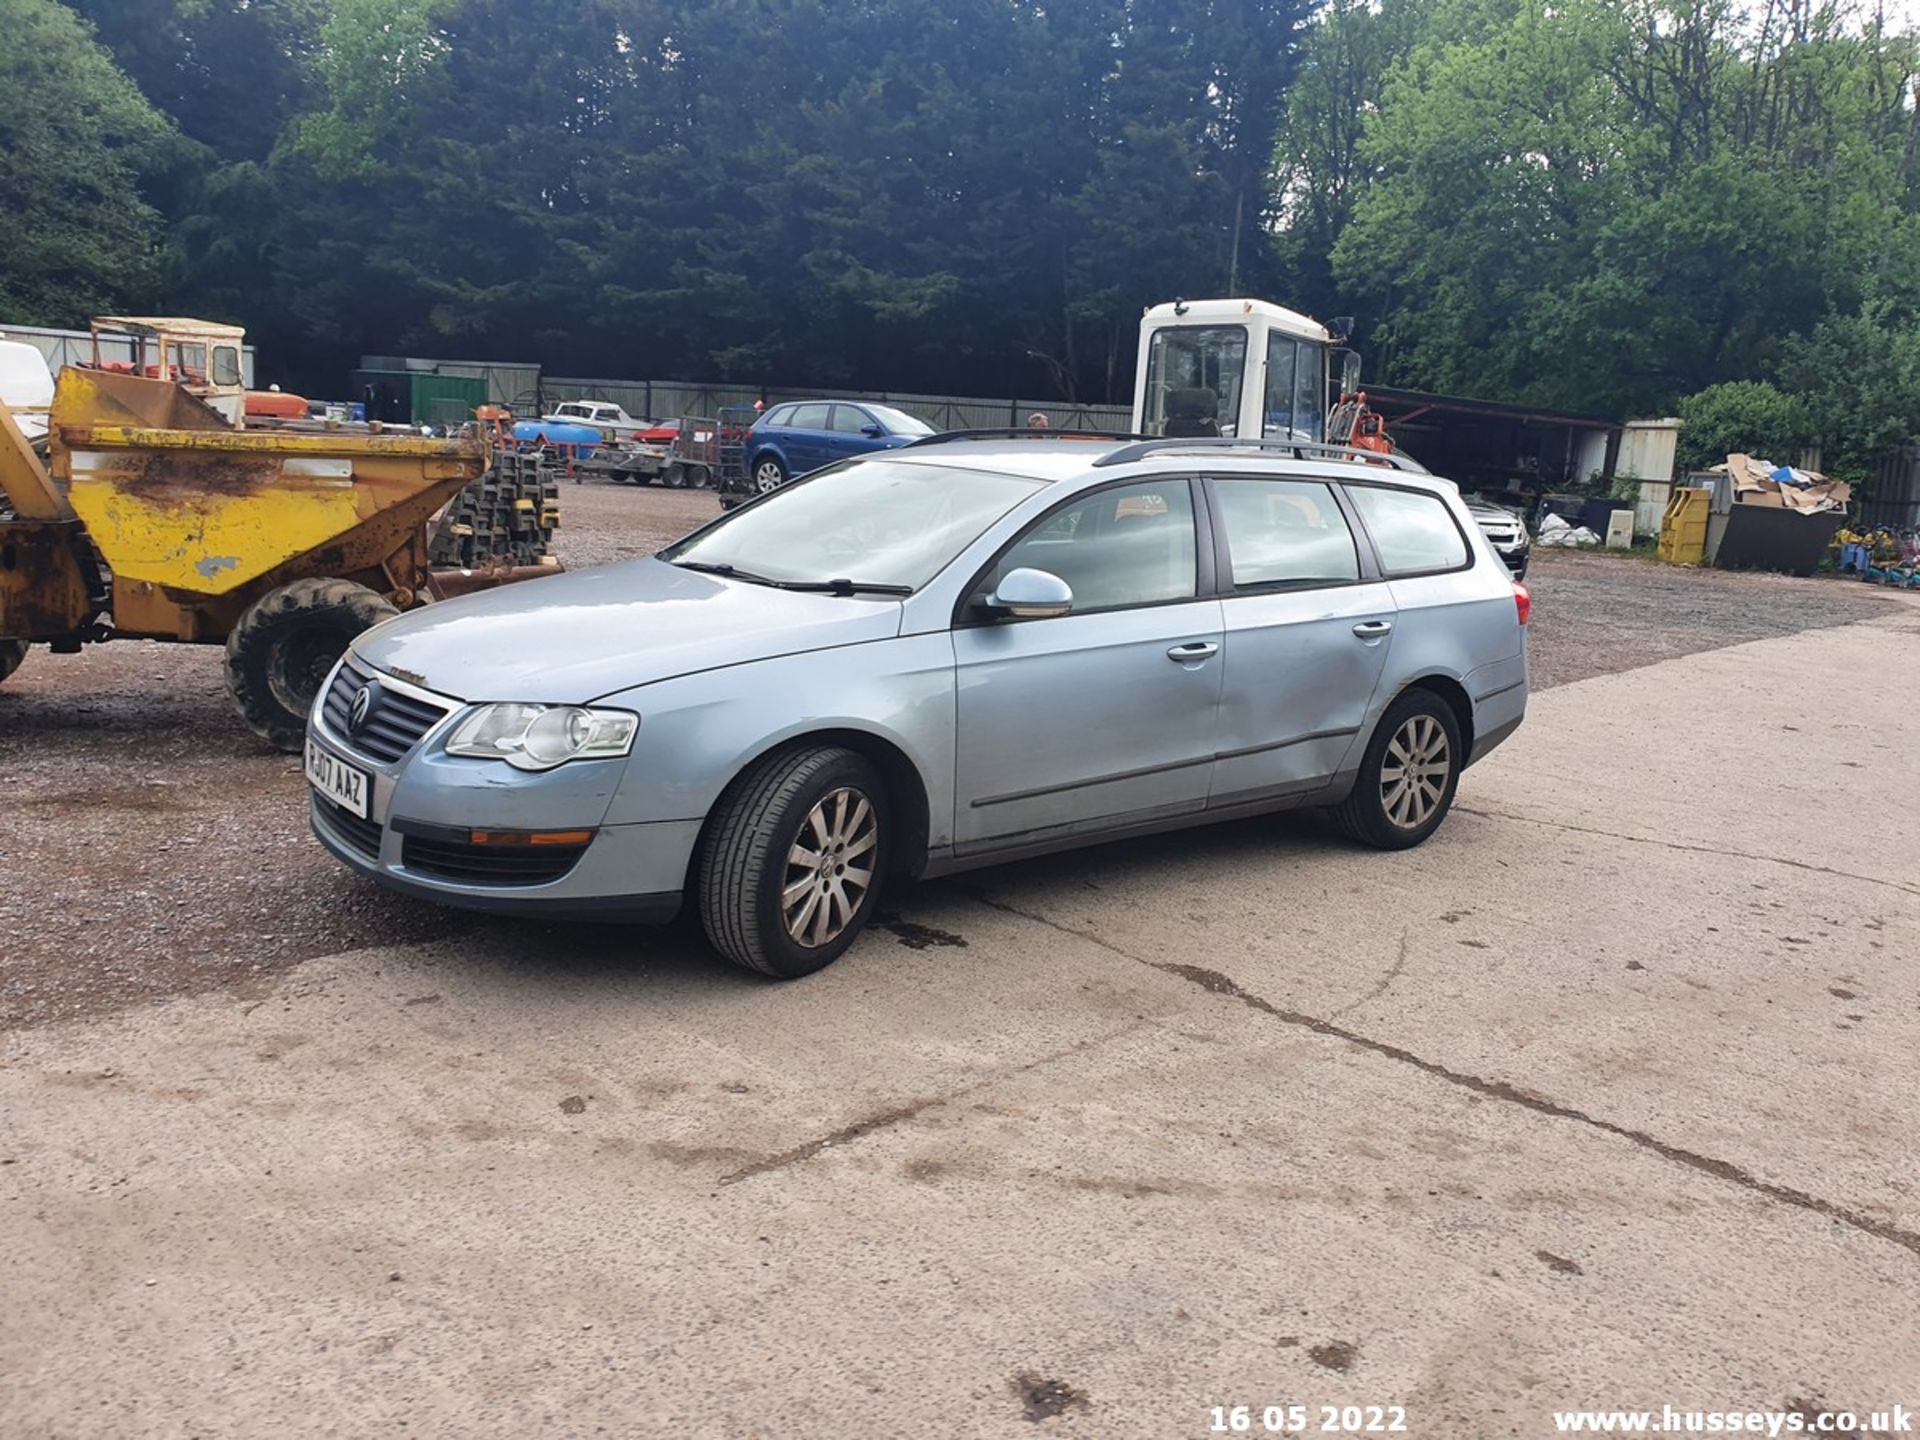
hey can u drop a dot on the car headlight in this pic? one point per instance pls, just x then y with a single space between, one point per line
539 737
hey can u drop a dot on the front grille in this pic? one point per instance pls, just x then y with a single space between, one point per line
488 864
349 829
394 723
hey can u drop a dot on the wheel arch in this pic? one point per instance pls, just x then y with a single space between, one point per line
906 788
1458 700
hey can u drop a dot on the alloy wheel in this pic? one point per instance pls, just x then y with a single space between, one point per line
766 476
829 867
1414 771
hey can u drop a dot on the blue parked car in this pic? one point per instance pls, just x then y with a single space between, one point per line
800 436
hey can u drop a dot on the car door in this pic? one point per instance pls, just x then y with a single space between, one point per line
1106 715
1308 624
847 433
807 437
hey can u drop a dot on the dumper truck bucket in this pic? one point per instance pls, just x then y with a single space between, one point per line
195 518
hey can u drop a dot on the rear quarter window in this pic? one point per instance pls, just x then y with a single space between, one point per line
1414 533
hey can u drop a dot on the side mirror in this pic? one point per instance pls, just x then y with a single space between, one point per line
874 431
1031 595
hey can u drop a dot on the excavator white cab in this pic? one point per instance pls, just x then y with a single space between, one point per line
1236 368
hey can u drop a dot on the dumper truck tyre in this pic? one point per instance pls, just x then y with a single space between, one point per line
279 654
1408 775
12 652
793 858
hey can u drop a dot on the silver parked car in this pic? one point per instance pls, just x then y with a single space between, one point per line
955 654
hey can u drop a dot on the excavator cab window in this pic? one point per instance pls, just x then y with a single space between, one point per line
1296 381
1193 380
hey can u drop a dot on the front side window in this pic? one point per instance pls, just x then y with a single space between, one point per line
1193 380
875 521
1413 532
1285 533
850 419
226 365
808 417
1132 545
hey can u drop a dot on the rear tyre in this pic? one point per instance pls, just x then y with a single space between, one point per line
279 654
1408 776
768 474
12 652
791 866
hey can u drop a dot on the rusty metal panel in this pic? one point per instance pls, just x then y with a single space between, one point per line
43 587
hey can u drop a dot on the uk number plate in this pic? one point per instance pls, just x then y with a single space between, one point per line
346 786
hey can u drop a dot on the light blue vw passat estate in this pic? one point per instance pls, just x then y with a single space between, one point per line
963 652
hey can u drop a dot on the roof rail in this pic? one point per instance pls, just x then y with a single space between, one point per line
1020 432
1299 449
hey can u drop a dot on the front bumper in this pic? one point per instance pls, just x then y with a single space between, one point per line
1516 557
600 885
422 806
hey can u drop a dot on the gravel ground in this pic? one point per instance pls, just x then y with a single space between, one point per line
154 847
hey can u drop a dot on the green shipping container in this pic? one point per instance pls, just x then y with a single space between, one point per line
446 399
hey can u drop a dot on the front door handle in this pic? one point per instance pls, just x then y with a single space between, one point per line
1193 650
1372 629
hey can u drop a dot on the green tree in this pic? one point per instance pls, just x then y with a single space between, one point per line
77 141
1749 417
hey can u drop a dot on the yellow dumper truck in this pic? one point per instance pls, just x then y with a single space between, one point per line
148 510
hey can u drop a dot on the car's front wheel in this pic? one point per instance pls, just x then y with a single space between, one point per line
791 867
1408 776
768 474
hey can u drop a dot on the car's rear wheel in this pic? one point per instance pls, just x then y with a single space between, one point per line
768 474
791 867
1408 775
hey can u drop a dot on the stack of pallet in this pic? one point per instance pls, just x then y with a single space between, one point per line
506 517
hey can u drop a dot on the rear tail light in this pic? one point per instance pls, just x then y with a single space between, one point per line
1522 602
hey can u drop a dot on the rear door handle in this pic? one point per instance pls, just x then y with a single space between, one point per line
1193 650
1372 629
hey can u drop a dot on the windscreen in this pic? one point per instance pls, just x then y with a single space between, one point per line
1193 380
878 521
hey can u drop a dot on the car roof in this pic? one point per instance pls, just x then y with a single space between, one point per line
1058 459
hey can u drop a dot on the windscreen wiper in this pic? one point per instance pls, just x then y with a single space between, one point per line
843 587
707 567
824 587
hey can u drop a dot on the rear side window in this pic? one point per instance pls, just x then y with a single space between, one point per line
808 417
780 415
1285 532
1414 533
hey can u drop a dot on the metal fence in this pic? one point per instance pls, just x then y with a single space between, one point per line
75 347
1894 500
667 399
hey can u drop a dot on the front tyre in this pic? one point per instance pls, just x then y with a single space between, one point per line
280 653
1408 776
791 867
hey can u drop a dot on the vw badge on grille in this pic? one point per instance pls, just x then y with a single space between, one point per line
362 707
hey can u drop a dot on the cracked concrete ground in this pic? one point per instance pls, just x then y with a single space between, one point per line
1602 1098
